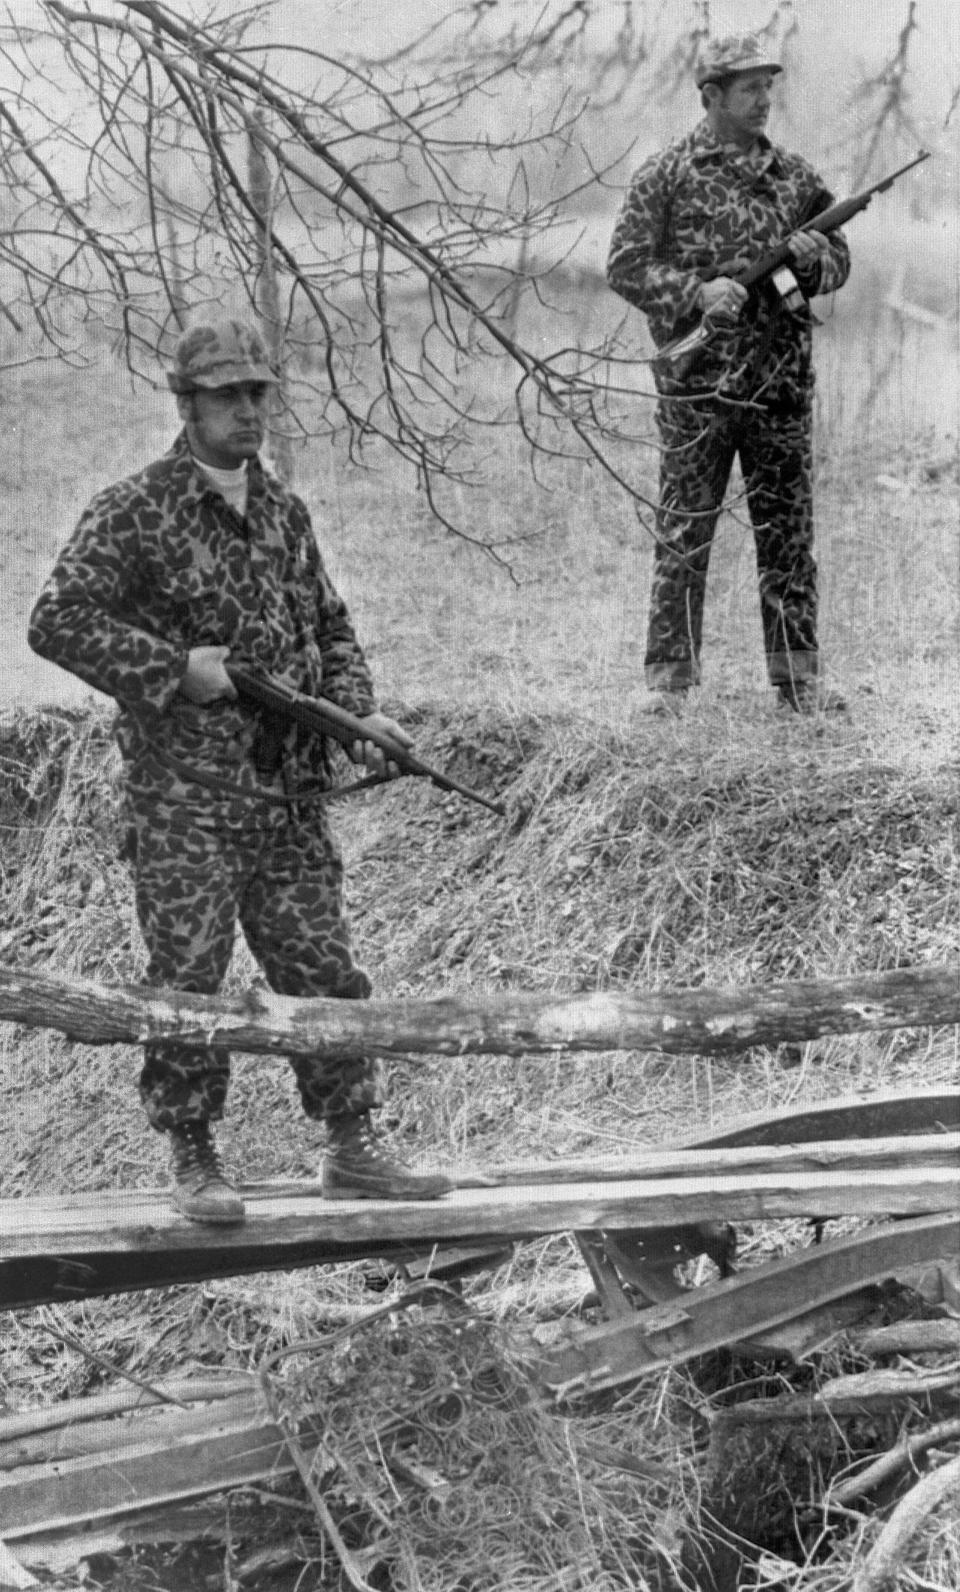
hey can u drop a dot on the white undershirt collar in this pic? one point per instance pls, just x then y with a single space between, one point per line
231 484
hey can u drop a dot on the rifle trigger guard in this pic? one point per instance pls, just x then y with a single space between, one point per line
788 288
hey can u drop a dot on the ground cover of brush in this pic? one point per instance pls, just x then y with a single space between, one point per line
736 846
644 857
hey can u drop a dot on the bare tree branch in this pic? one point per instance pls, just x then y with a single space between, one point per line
395 239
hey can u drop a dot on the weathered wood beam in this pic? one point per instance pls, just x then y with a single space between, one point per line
699 1021
210 1452
123 1401
746 1162
138 1234
749 1304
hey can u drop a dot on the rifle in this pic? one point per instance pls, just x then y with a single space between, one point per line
769 264
320 716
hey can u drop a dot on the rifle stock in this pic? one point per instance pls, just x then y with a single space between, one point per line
826 221
320 716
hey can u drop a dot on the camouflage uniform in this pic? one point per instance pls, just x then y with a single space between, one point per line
160 563
698 210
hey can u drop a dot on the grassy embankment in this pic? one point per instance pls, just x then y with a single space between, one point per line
735 846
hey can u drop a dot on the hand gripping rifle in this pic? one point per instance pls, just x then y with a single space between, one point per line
321 717
771 263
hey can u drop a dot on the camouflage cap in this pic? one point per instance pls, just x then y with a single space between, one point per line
735 52
218 353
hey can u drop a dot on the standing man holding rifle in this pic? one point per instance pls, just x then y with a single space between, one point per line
203 560
696 216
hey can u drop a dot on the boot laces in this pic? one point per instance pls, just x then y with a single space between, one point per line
196 1156
360 1138
370 1143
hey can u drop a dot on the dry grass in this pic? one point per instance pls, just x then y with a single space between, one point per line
738 845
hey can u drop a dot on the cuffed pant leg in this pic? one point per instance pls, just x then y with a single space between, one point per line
293 918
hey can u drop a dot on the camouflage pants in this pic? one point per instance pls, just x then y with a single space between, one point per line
194 883
700 443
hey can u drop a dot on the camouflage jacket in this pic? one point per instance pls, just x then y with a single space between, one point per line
697 210
160 563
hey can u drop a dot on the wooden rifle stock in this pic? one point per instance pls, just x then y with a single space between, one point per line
323 717
826 221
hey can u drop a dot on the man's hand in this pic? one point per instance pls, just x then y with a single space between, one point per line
807 247
722 298
206 679
371 756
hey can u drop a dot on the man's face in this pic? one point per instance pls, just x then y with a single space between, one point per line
742 106
226 425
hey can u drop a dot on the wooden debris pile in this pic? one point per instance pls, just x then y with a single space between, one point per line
410 1447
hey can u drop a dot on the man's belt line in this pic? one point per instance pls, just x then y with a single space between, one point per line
155 766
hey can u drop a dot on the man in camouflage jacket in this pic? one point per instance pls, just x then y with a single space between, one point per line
202 556
694 216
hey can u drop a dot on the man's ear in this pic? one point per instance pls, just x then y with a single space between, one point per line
185 405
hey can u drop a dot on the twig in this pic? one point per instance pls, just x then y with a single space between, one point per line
348 1562
883 1561
163 1396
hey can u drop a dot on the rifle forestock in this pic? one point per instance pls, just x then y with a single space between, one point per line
827 221
320 716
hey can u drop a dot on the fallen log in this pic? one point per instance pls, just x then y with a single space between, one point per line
907 1337
881 1469
708 1022
844 1395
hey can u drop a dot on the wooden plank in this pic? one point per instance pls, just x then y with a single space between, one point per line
745 1161
702 1021
93 1434
902 1152
121 1401
148 1241
131 1221
139 1475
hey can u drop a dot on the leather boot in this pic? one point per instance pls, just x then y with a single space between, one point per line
201 1191
357 1166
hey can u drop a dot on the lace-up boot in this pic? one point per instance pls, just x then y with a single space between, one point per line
357 1166
201 1191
